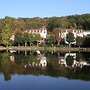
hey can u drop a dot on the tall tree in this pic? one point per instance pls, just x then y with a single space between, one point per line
53 23
25 38
70 38
69 60
31 38
18 38
79 41
37 38
6 66
19 25
6 32
57 33
51 39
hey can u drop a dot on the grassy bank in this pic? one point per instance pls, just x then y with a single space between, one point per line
61 49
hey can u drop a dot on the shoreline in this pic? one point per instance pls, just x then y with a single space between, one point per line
55 49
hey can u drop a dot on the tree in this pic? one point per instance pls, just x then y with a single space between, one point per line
79 41
86 24
25 38
53 23
37 37
51 39
6 66
57 34
69 60
86 41
19 25
6 32
70 38
64 22
18 38
31 38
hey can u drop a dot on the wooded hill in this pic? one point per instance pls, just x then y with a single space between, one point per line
21 24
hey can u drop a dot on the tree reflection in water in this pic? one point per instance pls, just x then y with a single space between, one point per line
69 65
6 65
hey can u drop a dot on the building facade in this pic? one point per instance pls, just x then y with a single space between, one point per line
78 32
42 31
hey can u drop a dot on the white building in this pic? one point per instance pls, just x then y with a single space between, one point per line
42 31
65 32
75 63
80 33
86 33
79 63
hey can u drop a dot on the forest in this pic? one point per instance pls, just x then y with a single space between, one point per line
73 21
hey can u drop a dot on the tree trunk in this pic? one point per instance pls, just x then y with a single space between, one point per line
25 53
69 44
29 44
25 43
37 45
59 41
18 44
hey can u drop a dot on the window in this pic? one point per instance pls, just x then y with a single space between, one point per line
44 31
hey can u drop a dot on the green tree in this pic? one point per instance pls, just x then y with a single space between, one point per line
53 23
6 66
25 38
18 38
87 41
70 38
69 60
37 38
19 25
79 41
51 39
64 22
6 32
31 38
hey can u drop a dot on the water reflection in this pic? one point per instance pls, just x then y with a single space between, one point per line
69 65
38 61
6 66
70 60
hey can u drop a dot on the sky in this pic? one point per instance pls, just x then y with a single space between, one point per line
43 8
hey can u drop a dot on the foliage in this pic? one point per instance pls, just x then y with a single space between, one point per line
25 38
18 38
53 23
51 39
73 21
70 38
79 41
86 42
57 32
31 37
69 60
37 37
6 66
6 32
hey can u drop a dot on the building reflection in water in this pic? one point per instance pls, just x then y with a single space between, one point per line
12 58
49 64
42 58
40 61
63 60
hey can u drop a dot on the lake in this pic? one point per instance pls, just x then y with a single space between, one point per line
29 70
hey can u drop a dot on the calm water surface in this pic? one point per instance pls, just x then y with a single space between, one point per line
45 71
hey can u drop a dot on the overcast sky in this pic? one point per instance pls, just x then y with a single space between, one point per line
43 8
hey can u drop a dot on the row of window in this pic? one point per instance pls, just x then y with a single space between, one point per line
37 31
